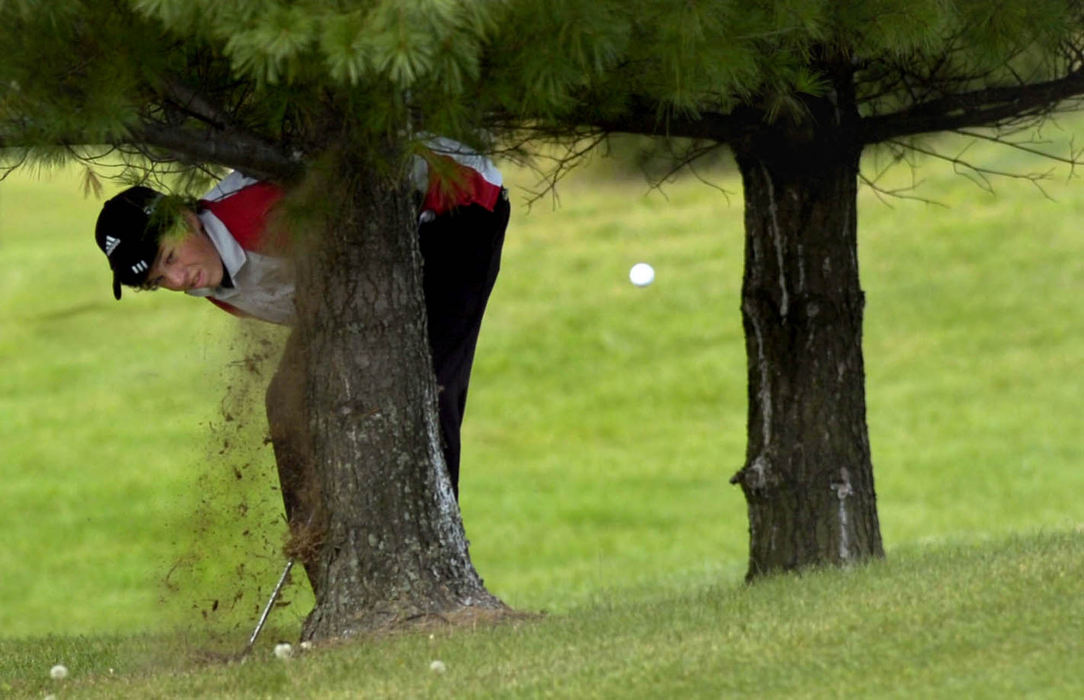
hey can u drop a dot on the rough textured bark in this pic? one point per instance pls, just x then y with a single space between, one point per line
392 546
808 476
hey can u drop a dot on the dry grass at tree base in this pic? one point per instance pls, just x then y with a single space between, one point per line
467 618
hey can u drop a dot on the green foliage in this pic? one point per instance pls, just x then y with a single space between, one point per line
914 51
348 43
292 71
50 99
590 61
704 59
289 73
896 27
273 48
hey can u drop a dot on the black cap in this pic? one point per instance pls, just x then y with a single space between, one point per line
128 231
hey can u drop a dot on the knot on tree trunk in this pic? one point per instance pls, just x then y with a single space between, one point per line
757 476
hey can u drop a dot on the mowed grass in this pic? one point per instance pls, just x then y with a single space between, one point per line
1005 619
141 522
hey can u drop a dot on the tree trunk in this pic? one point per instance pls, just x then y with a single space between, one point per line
808 477
391 546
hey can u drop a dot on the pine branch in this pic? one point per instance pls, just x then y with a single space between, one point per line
980 175
231 148
196 105
163 142
988 107
641 116
194 126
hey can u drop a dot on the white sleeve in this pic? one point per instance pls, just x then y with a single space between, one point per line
463 155
234 182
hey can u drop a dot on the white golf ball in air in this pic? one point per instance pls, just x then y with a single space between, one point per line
58 672
642 274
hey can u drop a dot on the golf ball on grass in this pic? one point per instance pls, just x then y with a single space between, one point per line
438 667
642 274
58 672
283 651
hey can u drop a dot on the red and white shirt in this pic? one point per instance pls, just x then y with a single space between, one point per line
234 214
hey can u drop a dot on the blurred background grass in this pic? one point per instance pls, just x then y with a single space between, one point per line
604 420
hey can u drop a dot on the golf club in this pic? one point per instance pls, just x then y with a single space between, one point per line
267 608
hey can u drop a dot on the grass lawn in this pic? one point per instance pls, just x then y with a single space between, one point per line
1003 619
141 521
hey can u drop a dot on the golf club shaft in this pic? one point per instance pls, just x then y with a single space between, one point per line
270 604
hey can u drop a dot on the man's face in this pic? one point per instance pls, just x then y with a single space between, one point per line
187 259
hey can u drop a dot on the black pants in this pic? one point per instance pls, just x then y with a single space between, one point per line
461 253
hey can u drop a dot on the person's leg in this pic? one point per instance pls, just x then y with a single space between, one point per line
461 254
288 419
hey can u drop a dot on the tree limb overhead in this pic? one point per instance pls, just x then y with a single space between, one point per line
240 151
649 117
988 107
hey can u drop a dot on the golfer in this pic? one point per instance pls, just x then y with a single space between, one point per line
221 247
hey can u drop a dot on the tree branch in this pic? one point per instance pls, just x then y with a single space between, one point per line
196 105
649 117
240 151
980 175
988 107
